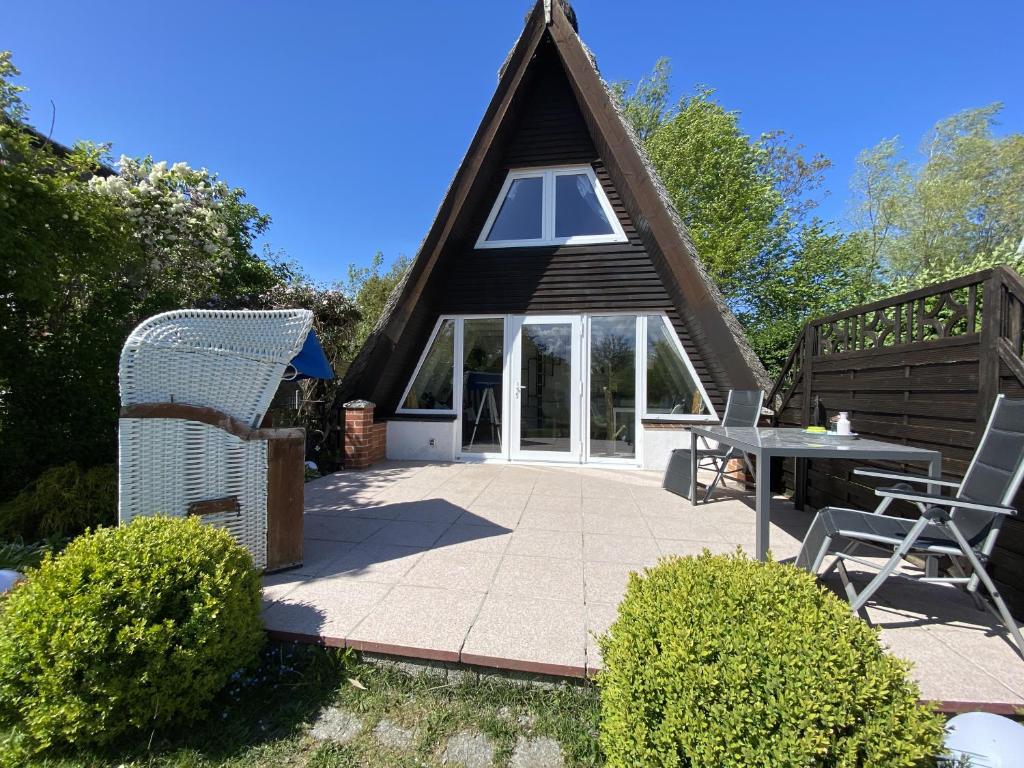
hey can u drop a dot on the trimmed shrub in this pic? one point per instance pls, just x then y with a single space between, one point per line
725 661
127 629
61 502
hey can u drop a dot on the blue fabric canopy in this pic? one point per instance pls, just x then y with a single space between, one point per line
311 362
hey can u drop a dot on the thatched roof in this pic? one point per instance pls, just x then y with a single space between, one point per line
755 373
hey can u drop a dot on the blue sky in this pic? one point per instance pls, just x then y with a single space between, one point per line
346 120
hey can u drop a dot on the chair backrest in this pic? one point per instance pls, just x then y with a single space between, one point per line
996 470
229 360
743 408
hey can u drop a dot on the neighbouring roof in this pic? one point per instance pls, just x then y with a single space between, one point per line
701 302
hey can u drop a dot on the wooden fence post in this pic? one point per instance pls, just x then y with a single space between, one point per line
988 354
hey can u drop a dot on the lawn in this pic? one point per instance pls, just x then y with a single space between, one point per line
267 718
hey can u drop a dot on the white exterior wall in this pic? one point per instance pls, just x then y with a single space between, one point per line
410 440
659 443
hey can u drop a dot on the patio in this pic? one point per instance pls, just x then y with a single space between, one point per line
518 567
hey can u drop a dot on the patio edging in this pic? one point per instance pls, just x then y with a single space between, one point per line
946 707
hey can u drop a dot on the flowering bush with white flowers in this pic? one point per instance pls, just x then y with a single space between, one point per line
87 255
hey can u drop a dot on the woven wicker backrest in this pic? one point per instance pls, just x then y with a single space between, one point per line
230 360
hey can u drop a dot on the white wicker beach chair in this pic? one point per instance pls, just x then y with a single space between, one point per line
195 385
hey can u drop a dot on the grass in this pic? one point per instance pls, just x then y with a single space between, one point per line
262 720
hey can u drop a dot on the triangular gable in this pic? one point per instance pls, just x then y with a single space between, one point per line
711 327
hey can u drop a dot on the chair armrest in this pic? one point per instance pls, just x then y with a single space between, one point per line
942 501
900 476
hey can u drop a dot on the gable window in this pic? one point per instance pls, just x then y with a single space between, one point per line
672 389
432 388
551 206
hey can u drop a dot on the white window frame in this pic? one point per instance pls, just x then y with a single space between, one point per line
506 374
456 386
712 414
549 174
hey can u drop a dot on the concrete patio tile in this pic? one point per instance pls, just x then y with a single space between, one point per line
686 526
532 635
539 577
558 487
615 523
552 519
499 500
944 675
324 608
540 543
333 528
475 538
381 563
600 617
606 582
429 510
318 553
415 617
469 571
606 489
602 547
554 504
408 533
490 517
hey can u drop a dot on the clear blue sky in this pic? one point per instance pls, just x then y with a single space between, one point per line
346 120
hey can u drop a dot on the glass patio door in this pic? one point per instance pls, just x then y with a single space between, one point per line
546 388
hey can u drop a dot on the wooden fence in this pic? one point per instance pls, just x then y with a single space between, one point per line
921 368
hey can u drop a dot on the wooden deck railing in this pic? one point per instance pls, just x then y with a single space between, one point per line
921 368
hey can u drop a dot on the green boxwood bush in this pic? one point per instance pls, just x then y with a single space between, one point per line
724 661
127 629
62 502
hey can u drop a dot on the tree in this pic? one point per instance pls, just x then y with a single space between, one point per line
747 203
369 289
963 199
85 259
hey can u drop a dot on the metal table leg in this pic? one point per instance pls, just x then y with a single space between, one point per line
763 496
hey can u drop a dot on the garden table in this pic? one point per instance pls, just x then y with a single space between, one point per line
766 444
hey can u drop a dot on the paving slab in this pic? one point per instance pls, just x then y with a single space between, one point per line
544 577
392 735
517 566
381 563
408 533
469 749
324 607
534 542
529 634
536 752
605 547
336 725
432 622
461 571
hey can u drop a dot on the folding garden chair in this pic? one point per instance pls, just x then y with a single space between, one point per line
962 526
742 409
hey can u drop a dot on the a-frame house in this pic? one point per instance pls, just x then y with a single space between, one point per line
557 309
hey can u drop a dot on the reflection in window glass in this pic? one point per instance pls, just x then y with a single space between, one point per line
613 386
577 209
671 390
545 400
432 389
483 342
520 217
